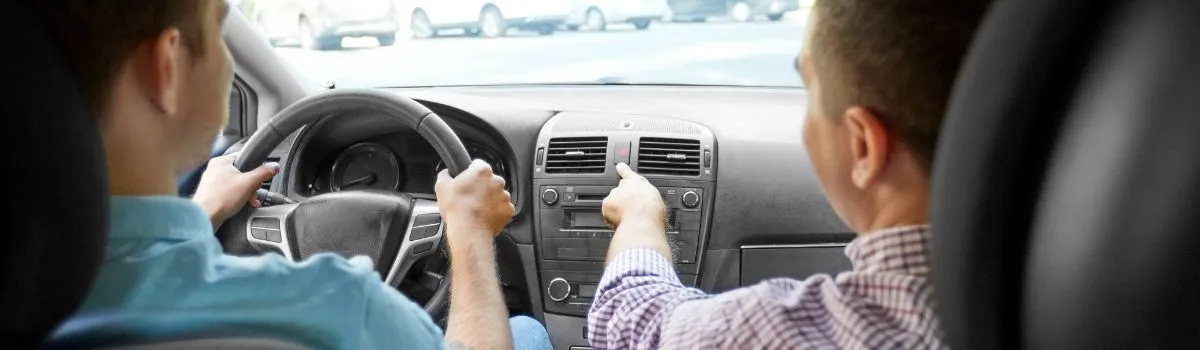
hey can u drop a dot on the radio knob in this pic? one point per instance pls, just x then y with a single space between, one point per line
550 196
691 199
558 289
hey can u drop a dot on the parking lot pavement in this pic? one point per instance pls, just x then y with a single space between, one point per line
715 53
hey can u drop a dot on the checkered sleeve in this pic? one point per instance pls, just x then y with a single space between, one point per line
635 296
885 303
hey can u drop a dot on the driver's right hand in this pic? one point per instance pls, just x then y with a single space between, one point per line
475 200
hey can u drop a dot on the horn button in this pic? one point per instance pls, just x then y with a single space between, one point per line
368 223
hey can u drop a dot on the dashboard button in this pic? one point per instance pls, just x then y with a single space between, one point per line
423 247
587 290
623 152
558 290
691 199
258 233
422 232
541 155
707 158
274 236
550 196
271 223
426 219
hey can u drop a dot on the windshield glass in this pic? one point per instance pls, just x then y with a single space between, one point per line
396 43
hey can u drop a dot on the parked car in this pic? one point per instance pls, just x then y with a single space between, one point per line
737 10
598 14
486 18
321 24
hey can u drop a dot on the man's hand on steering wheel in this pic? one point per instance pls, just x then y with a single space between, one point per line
475 208
223 190
474 201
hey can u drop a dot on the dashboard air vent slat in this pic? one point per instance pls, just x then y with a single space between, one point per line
663 156
577 155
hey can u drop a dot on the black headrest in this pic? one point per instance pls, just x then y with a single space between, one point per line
1067 179
56 192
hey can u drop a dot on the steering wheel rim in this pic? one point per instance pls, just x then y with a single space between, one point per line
316 107
359 101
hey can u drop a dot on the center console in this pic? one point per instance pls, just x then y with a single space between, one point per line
574 171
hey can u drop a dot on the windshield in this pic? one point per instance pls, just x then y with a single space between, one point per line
398 43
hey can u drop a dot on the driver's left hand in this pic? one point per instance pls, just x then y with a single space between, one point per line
223 190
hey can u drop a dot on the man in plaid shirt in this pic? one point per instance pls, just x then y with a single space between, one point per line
879 73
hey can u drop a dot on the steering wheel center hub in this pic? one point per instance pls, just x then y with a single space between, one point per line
352 223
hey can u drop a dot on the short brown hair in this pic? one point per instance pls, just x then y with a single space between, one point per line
97 36
897 58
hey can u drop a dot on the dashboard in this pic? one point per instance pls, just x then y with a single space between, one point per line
390 163
729 162
363 152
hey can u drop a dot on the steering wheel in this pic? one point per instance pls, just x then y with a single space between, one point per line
393 229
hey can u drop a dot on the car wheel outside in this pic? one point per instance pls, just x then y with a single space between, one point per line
641 24
740 12
421 27
386 39
775 17
310 40
491 23
546 29
594 20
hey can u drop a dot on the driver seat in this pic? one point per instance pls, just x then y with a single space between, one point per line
56 205
1067 179
56 211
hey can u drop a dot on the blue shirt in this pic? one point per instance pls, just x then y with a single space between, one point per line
164 276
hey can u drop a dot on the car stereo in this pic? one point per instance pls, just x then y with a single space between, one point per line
573 227
574 170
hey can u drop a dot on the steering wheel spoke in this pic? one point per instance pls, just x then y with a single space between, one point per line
267 229
422 238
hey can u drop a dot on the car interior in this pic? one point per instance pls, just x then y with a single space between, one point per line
1064 188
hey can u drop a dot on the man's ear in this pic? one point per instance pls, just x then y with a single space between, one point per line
868 145
160 63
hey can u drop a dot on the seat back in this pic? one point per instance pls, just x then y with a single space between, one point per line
56 211
1067 180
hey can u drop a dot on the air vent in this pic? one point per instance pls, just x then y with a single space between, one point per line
662 156
577 155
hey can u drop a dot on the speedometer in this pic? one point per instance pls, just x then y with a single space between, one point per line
365 166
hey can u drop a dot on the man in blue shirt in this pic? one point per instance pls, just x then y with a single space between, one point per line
157 76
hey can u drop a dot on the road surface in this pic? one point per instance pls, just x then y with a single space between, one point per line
758 53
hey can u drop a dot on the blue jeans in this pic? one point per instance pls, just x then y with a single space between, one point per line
528 334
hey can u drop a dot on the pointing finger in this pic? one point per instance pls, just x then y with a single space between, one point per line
626 172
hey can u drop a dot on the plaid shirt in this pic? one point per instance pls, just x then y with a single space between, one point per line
885 303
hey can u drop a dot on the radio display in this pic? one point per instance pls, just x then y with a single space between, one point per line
584 219
593 219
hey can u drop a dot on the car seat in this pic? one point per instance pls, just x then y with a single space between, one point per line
1067 179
